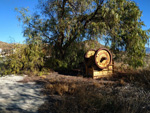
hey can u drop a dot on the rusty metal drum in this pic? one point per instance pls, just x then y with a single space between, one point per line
90 53
89 57
98 63
103 58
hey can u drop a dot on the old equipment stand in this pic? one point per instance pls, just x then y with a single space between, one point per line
98 63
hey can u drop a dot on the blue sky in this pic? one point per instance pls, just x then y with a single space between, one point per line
11 29
144 6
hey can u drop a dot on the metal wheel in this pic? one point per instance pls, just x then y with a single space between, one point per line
103 58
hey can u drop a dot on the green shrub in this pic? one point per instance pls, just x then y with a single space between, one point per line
27 57
73 57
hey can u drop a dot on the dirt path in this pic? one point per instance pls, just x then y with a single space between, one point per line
16 97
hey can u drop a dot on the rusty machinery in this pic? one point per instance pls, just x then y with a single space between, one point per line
98 63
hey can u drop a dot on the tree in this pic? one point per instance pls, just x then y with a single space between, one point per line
62 22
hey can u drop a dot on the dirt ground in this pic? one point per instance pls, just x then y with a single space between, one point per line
17 97
118 86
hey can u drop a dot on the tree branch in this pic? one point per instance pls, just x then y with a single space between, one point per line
93 14
63 7
86 22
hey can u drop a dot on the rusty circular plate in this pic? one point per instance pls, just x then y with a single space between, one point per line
90 53
103 58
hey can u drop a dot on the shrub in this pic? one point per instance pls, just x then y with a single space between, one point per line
73 57
27 57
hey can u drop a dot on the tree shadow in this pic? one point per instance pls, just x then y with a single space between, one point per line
20 97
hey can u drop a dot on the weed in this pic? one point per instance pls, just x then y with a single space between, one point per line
68 96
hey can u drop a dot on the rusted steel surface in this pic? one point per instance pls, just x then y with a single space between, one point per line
89 57
90 53
103 58
98 63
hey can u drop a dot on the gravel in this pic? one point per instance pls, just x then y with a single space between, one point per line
17 97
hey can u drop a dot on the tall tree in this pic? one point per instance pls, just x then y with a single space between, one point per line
61 22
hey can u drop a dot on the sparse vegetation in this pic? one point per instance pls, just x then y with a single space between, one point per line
81 95
141 78
5 46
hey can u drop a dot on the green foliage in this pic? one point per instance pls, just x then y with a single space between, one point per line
64 22
56 64
73 57
27 57
130 35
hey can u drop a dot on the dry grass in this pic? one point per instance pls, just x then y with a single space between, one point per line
5 45
67 95
139 77
60 88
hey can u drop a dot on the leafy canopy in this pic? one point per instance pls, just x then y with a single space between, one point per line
63 22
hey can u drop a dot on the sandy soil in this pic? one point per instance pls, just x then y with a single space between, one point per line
17 97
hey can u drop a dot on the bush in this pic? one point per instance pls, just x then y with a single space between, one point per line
26 58
73 57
